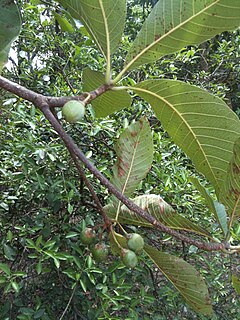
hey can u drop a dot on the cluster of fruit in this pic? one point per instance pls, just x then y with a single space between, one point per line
100 252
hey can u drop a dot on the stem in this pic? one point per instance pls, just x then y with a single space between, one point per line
233 214
90 188
104 181
68 304
52 102
44 104
108 57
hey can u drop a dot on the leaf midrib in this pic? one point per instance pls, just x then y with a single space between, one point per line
165 35
129 173
185 122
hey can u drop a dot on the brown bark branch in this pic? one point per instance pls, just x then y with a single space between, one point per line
44 104
52 102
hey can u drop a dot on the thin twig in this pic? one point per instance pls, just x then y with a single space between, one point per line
90 188
44 104
68 304
70 144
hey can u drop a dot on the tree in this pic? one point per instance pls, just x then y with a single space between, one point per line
201 124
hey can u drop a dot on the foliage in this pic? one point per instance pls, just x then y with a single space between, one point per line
46 270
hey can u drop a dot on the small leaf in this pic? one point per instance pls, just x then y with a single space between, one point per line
185 278
4 267
2 279
72 234
56 262
110 101
39 313
39 267
77 262
9 252
64 24
83 285
216 208
236 283
134 151
15 286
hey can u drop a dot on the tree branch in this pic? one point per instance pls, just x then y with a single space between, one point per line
52 102
44 104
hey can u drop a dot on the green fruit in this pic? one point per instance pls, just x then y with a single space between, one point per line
73 111
136 242
88 236
100 252
129 258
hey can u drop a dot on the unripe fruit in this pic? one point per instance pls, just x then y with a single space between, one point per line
88 236
100 252
129 258
136 242
73 111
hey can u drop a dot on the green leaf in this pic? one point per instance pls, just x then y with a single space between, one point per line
9 251
236 283
83 285
39 267
216 208
134 151
15 286
3 279
10 25
159 209
5 268
185 278
103 19
230 193
174 24
202 125
110 101
64 24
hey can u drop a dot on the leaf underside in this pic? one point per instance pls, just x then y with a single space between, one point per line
10 25
185 278
160 210
200 124
230 195
216 208
134 151
110 101
103 19
175 24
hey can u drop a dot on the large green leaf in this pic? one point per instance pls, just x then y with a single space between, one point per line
134 156
216 208
159 209
110 101
175 24
185 278
10 24
103 19
181 274
202 125
230 194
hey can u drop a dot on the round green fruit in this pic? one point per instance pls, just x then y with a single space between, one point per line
73 111
129 258
100 252
88 236
135 242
